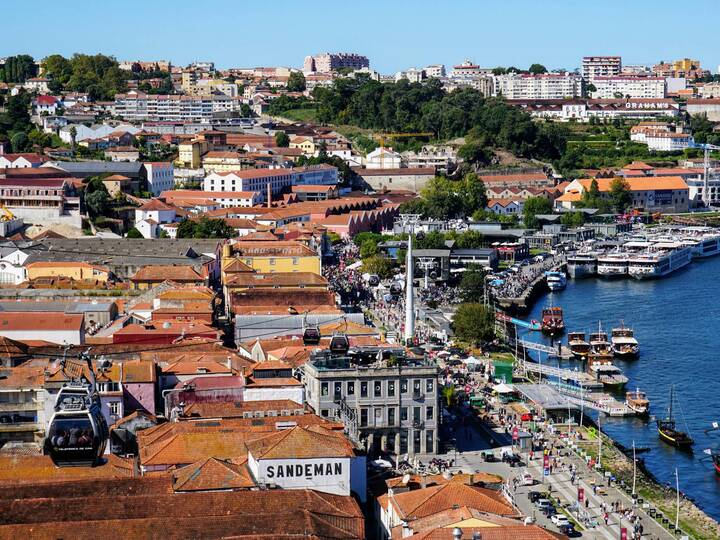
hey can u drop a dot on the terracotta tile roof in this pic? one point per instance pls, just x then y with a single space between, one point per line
185 367
39 321
280 248
349 328
212 474
276 279
256 382
424 502
102 511
513 178
638 166
570 196
260 236
301 443
9 348
295 356
22 377
236 265
40 469
156 205
644 183
170 272
237 409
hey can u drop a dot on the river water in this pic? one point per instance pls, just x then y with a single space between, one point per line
677 323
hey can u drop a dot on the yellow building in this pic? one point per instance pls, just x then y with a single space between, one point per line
305 144
214 161
686 64
190 153
70 270
272 257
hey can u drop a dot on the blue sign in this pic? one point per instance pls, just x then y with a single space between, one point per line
546 472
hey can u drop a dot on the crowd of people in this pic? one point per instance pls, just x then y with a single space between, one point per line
514 285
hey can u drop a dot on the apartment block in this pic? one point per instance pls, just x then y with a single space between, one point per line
628 87
600 66
386 398
137 106
327 62
540 86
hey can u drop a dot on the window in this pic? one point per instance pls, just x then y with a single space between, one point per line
403 414
351 388
272 261
295 260
391 388
429 386
416 387
114 408
416 441
363 417
429 441
324 389
429 411
338 390
403 386
416 414
324 412
363 389
391 416
377 392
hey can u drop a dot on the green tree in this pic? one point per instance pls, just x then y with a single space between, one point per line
537 69
205 228
19 141
469 240
97 202
296 82
474 153
369 248
472 285
620 194
534 206
573 219
379 265
282 139
134 233
449 395
474 323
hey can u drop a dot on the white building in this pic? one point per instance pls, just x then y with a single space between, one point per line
257 180
55 327
302 458
160 176
600 66
435 70
506 206
136 106
628 87
413 75
668 141
383 158
12 269
538 86
98 131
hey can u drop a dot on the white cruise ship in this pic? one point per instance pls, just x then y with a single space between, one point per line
582 264
665 258
706 245
613 264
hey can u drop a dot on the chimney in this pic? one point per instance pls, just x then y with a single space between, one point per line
269 196
229 362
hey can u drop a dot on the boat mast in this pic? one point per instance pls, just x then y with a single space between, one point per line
670 408
677 490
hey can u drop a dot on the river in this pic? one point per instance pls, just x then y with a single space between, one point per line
676 321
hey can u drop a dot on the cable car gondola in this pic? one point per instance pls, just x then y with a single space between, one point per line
311 336
78 432
339 344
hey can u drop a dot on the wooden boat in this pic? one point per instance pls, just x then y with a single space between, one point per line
716 462
667 429
638 402
624 344
578 346
552 321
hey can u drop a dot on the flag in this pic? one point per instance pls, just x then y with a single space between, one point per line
708 451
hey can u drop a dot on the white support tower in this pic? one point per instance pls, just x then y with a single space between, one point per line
409 221
427 264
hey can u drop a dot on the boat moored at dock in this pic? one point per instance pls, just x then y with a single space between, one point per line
552 321
613 264
556 281
667 430
580 265
638 402
663 259
624 344
579 347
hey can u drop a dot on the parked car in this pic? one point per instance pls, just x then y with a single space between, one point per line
527 479
560 520
569 531
543 503
511 459
526 417
489 457
534 496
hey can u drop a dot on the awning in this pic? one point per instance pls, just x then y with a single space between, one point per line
503 388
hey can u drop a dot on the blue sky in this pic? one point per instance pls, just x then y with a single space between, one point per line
394 34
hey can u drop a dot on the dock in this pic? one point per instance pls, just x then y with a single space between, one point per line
560 351
522 303
581 378
599 401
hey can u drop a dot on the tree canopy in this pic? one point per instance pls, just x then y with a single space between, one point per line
534 206
474 323
443 198
98 75
620 194
296 82
18 69
205 228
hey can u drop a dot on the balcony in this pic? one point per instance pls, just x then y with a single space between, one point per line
19 407
21 427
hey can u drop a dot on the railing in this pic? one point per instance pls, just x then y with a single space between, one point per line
19 407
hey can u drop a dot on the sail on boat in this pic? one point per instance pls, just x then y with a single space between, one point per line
667 430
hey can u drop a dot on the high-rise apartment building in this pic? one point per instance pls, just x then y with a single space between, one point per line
327 62
600 66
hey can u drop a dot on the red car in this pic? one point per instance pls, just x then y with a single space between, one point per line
527 417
